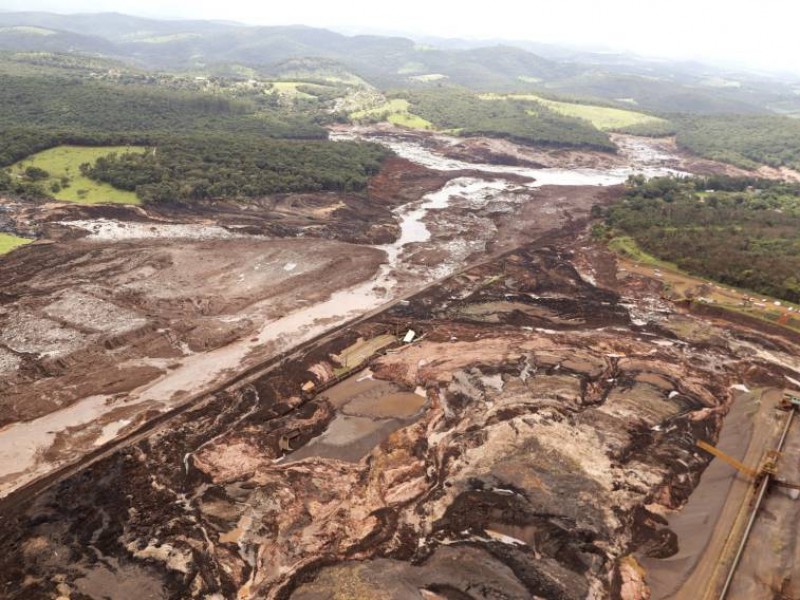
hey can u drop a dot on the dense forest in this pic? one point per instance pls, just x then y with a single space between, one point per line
740 232
210 167
75 104
462 110
207 145
41 112
744 140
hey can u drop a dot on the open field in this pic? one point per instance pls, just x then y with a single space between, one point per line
65 161
397 114
8 242
289 88
602 117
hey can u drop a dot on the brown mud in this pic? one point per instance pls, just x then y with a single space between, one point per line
531 442
589 395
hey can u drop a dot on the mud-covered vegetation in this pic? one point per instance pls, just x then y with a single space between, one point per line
238 167
466 112
739 231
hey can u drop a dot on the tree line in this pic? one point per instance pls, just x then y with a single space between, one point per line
742 232
461 110
39 112
225 166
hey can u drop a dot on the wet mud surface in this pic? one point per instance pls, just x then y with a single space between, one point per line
557 427
533 441
120 314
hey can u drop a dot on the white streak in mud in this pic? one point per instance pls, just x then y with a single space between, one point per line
110 431
104 230
644 160
412 226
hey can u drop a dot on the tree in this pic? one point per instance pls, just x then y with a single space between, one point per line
35 173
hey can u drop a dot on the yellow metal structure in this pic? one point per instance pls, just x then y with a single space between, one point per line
728 459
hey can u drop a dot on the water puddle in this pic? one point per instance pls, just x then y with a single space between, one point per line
369 410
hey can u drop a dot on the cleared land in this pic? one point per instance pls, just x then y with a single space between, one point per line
603 117
63 164
679 285
396 112
8 242
289 88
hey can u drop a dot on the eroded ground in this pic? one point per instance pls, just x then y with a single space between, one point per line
119 314
557 427
533 441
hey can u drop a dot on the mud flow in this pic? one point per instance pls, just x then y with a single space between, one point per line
441 389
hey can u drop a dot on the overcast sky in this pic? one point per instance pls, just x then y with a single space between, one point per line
763 34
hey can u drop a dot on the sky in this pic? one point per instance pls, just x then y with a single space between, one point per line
759 34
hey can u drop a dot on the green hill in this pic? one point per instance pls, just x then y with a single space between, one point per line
395 62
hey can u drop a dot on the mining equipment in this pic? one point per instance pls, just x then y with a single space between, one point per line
762 477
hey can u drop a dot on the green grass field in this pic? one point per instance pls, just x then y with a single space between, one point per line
65 161
8 242
397 113
28 30
602 117
289 88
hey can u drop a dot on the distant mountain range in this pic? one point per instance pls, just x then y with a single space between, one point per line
391 62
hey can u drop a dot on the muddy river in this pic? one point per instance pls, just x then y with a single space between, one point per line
98 420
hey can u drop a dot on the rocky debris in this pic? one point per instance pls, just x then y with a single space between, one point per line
527 444
633 585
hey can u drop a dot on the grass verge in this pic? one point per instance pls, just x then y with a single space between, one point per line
9 242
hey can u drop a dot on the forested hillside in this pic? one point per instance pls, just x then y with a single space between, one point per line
392 62
743 140
745 233
206 144
40 112
217 166
464 111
